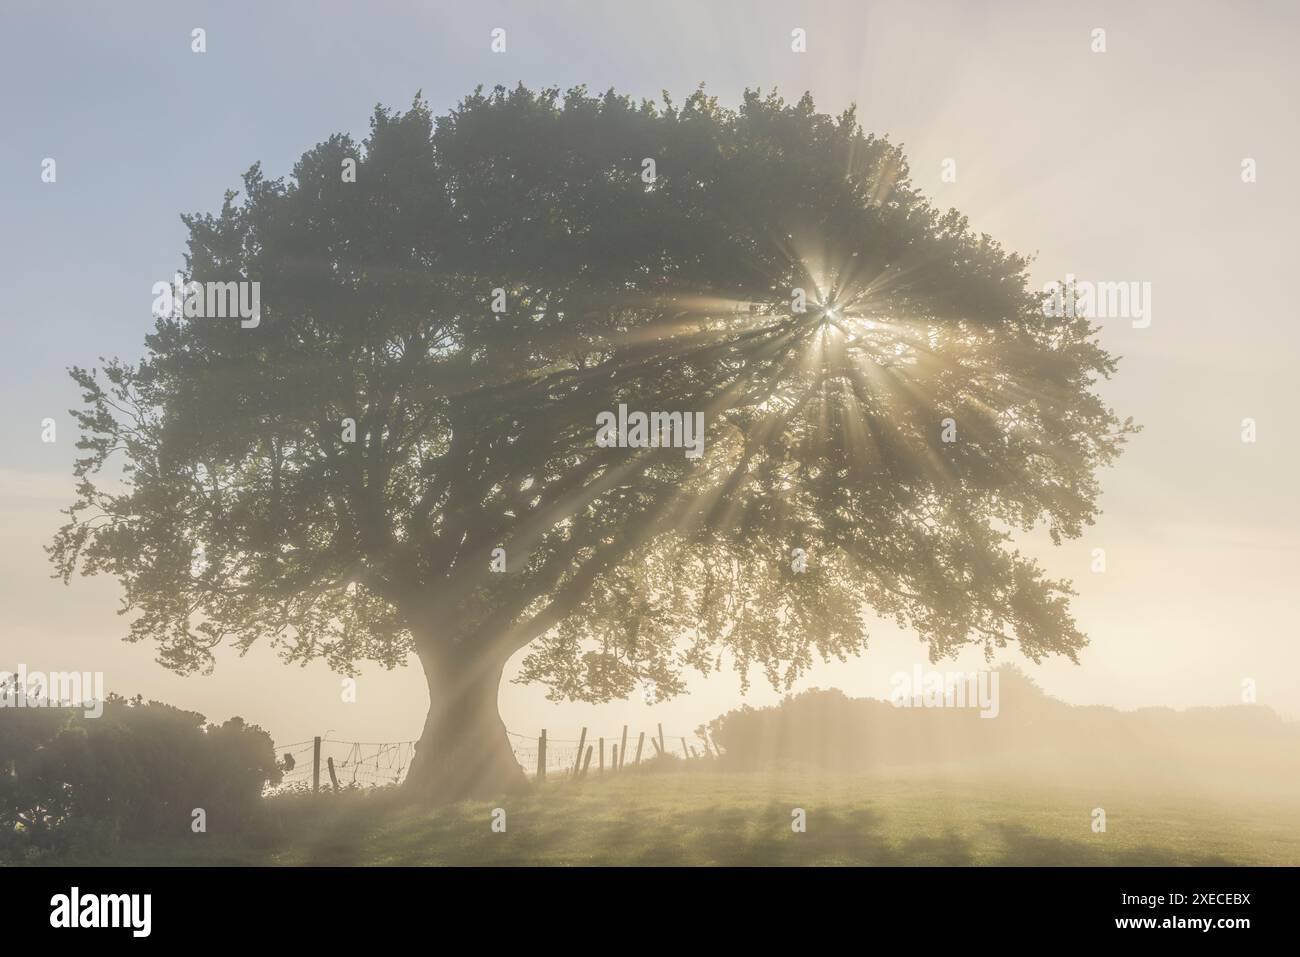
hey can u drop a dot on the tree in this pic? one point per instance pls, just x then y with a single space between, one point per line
674 286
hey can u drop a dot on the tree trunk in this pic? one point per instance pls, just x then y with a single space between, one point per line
464 751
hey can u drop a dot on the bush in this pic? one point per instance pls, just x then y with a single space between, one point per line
139 770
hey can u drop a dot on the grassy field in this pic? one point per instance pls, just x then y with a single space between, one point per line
703 817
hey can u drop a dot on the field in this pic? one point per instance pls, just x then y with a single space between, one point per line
699 816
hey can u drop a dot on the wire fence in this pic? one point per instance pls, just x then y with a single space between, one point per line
329 762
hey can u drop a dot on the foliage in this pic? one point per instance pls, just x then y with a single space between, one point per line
140 769
246 513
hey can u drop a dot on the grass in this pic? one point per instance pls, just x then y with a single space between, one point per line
700 816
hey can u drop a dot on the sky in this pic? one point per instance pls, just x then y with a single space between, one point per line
1123 165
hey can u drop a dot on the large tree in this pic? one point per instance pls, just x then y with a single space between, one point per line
244 511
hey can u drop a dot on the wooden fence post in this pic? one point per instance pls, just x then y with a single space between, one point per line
334 780
622 750
658 750
315 766
640 743
685 751
577 765
602 756
663 748
587 763
541 756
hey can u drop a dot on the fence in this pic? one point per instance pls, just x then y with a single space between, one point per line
325 761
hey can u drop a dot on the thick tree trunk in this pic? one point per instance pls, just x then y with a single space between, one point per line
464 751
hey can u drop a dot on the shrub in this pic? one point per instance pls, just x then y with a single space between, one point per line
138 770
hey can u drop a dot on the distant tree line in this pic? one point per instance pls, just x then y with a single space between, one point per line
827 729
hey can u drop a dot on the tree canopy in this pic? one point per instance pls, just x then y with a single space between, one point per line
900 429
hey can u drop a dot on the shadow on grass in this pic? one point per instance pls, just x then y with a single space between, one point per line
661 821
1024 848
